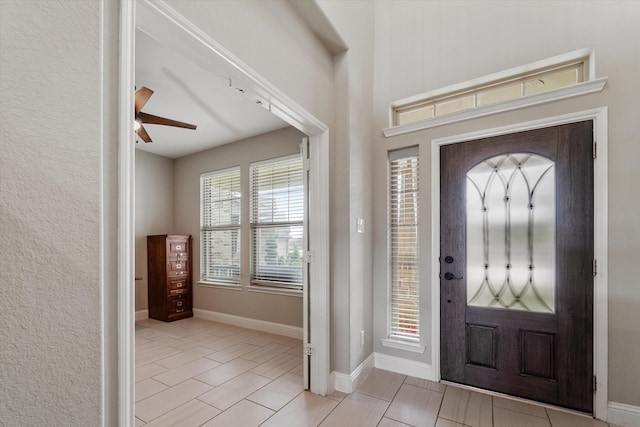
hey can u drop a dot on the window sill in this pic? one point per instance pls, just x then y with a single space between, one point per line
403 345
275 291
220 285
583 88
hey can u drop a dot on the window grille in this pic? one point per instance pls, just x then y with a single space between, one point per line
220 198
404 315
277 223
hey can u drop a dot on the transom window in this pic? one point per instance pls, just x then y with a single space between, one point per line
561 77
490 93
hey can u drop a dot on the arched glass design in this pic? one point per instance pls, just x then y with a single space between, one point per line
511 233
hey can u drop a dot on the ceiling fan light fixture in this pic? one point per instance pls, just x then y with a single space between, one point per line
141 97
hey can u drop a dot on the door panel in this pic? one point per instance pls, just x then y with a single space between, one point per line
517 304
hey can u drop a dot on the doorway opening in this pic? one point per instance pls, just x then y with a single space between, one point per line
168 26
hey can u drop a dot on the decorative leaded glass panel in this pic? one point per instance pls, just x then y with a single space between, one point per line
511 233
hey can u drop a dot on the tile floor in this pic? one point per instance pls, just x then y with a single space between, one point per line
194 372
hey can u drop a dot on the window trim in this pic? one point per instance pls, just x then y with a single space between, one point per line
589 85
266 289
403 345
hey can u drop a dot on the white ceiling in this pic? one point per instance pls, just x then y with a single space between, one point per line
185 91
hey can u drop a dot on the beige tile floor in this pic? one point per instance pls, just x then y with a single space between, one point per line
194 372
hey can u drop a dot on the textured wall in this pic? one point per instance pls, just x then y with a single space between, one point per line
51 136
422 46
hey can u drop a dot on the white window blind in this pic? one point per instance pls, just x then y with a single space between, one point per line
277 214
220 198
404 316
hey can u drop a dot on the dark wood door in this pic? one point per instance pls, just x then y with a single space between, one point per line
517 251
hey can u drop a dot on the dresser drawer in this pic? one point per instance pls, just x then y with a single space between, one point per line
177 305
178 247
178 266
179 284
178 291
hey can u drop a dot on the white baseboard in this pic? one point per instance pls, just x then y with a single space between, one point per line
405 367
342 382
142 314
346 383
623 415
246 322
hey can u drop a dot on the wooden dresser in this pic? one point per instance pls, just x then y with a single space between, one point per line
169 272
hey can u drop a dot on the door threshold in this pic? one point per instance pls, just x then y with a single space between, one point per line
517 399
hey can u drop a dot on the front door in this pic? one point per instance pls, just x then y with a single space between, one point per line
517 254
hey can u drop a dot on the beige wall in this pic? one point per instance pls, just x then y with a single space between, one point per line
58 161
58 175
272 39
351 301
268 307
421 46
154 212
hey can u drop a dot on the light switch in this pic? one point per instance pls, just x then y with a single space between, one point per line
360 225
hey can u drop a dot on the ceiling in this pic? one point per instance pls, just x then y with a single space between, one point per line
187 92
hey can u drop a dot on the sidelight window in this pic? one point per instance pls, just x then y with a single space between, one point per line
404 277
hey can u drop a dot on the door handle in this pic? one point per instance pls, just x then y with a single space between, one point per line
450 276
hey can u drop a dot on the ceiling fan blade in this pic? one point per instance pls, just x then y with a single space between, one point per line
143 134
142 96
156 120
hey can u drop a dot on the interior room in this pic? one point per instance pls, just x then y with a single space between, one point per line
231 131
465 254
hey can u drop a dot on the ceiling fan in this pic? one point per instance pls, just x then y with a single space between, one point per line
142 96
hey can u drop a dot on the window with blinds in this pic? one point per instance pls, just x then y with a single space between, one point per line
220 198
277 222
404 316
